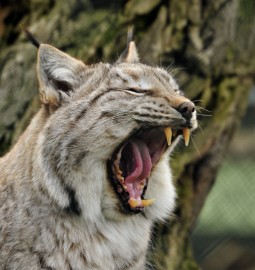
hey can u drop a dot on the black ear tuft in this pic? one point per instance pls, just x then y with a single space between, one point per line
31 37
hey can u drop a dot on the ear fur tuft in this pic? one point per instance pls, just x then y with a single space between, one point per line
130 55
30 36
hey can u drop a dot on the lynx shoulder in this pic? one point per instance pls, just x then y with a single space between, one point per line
85 182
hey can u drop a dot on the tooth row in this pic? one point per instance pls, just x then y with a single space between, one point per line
169 133
118 170
136 202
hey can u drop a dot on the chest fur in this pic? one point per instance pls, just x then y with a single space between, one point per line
75 245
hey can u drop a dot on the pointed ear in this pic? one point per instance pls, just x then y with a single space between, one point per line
130 55
58 74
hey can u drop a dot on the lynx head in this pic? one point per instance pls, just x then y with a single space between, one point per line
108 133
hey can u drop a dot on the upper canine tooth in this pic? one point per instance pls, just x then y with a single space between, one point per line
168 133
148 202
186 135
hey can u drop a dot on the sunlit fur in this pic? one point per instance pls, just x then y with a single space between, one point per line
58 209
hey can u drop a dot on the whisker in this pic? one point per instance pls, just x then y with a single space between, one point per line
196 146
202 108
180 68
197 100
205 115
175 71
200 112
170 66
201 129
198 109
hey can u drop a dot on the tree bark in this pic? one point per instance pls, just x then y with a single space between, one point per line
209 44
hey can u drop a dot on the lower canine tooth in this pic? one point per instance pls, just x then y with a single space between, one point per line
133 202
148 202
168 133
186 135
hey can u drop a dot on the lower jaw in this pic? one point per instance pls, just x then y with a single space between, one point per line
130 205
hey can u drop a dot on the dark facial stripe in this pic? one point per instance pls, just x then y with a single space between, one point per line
73 207
153 116
154 110
92 101
148 92
162 81
79 159
80 115
42 262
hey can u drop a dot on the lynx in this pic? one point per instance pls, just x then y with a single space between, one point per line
90 175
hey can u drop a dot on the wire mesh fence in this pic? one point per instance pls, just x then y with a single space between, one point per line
224 237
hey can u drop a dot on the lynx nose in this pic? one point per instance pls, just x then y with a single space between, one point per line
186 109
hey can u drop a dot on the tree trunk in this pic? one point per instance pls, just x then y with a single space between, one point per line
208 43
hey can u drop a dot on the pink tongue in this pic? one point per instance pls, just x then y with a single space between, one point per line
141 162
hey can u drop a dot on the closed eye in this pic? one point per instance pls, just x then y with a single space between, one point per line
134 92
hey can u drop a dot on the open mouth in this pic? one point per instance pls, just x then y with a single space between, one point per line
132 164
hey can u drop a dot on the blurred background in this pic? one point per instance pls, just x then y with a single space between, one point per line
209 46
224 236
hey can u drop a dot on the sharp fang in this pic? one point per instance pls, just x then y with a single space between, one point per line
168 133
148 202
186 135
133 202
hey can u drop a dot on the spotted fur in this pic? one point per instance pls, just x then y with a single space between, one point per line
58 210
